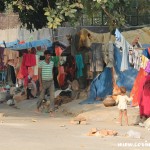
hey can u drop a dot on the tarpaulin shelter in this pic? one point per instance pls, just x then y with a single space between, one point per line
102 85
44 42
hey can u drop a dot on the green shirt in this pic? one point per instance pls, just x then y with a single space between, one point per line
47 70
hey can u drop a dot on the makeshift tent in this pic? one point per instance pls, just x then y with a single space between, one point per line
102 85
127 77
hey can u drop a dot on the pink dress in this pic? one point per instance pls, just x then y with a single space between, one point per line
147 69
144 96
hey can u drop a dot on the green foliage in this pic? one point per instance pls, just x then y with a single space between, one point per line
63 11
35 14
2 6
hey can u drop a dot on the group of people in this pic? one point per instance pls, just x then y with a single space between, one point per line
45 72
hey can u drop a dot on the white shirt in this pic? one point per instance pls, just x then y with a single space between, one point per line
122 101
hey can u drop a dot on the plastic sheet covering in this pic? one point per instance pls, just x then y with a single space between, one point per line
146 45
127 77
9 44
44 42
101 86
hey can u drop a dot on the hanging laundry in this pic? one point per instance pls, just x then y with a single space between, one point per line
118 35
125 49
61 76
29 60
58 50
97 58
124 45
2 66
146 53
11 57
80 65
22 42
135 89
144 62
62 60
70 67
35 68
147 69
144 96
55 59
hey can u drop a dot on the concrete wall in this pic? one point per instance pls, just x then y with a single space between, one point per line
10 35
63 31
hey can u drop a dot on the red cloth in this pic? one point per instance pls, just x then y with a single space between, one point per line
144 96
29 60
61 76
21 42
58 51
136 85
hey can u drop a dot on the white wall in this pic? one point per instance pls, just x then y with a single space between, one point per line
10 35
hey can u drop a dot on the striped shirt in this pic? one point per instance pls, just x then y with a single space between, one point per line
47 70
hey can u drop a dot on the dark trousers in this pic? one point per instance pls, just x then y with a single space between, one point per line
29 94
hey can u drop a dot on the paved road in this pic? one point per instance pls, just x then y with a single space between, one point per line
25 130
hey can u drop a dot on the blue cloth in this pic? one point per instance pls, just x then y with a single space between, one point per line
44 42
125 48
1 43
10 44
101 86
127 77
145 45
3 76
146 54
118 35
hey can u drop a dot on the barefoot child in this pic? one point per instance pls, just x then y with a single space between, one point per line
122 100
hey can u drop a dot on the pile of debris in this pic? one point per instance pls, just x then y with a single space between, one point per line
102 132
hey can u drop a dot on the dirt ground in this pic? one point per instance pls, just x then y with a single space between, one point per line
23 129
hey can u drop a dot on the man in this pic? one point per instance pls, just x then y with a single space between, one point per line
45 72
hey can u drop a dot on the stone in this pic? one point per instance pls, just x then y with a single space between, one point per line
74 122
94 130
103 132
83 123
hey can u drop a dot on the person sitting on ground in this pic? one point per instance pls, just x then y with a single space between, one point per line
122 100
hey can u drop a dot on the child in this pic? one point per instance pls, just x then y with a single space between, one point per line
122 100
29 88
